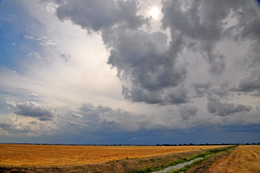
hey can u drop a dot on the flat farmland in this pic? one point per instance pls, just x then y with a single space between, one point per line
62 155
244 159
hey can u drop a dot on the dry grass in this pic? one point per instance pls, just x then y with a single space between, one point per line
53 155
245 159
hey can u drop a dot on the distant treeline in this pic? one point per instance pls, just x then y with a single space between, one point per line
190 144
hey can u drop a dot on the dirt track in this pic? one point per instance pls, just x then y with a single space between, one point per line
245 159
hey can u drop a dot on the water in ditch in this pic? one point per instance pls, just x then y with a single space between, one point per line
178 166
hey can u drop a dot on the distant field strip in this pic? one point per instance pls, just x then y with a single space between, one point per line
53 155
245 159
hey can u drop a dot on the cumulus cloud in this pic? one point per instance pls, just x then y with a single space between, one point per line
250 84
248 27
202 24
100 15
32 109
146 67
209 89
201 88
10 128
186 112
144 61
215 106
197 23
103 117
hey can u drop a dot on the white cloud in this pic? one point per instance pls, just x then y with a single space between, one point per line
29 37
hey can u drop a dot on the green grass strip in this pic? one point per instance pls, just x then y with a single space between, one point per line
214 152
210 152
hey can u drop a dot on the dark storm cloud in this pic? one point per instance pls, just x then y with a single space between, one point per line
209 89
100 15
186 112
199 24
249 24
168 96
143 60
201 88
202 25
250 84
106 118
215 106
32 109
146 62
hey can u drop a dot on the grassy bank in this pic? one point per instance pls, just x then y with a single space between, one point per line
204 164
204 155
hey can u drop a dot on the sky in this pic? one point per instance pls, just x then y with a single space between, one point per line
129 71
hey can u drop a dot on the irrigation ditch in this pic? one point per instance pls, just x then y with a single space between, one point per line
186 163
180 165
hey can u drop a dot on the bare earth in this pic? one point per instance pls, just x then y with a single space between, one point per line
245 159
53 155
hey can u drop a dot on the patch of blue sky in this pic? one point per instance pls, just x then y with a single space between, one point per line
3 108
258 3
15 23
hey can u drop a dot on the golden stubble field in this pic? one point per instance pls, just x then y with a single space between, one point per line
61 155
245 159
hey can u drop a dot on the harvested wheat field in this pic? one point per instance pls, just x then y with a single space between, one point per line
50 155
245 159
